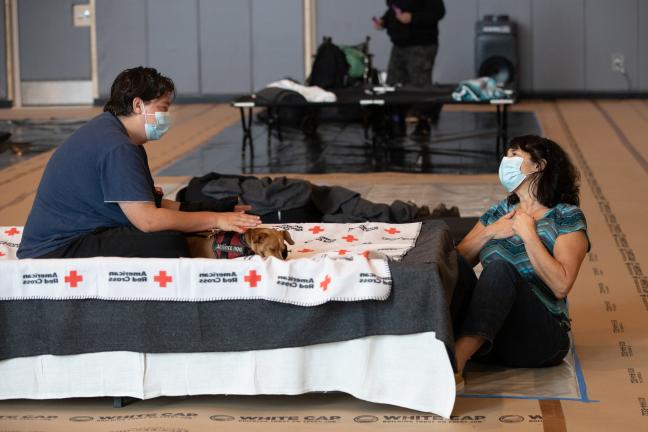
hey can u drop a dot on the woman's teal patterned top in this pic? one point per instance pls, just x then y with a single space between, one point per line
561 219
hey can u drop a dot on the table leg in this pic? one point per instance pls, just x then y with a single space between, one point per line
278 125
498 139
505 126
246 124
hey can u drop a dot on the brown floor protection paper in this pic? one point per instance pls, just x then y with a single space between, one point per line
608 141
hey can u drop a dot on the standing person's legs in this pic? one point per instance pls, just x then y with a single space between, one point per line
420 64
397 69
505 322
397 73
125 242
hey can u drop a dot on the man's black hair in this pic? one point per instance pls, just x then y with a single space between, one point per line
142 82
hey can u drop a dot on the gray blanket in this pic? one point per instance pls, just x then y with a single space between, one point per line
267 195
419 302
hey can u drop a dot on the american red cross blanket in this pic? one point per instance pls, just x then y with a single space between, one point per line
328 262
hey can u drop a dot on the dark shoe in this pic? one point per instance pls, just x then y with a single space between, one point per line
442 211
422 129
422 213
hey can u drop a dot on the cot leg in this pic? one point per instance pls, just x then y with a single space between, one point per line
121 402
274 123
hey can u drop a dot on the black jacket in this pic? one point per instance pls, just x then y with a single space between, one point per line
423 30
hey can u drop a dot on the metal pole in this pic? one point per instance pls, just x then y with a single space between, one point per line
94 74
309 35
15 55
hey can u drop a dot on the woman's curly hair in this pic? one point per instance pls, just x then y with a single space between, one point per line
559 181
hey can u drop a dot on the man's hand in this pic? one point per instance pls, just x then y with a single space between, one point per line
378 24
236 221
148 218
403 17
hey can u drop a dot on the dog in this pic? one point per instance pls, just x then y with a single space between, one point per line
265 242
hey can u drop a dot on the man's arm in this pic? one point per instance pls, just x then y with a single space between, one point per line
148 218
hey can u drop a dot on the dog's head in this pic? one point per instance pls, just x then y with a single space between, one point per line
267 242
264 242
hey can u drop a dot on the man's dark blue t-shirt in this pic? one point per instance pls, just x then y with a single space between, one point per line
85 179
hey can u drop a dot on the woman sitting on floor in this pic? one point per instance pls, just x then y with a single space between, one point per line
531 246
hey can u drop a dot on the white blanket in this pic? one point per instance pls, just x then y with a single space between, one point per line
311 94
412 371
329 262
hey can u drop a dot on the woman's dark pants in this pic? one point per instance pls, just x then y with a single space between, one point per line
500 306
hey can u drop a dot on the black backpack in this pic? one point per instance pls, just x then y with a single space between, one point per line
330 67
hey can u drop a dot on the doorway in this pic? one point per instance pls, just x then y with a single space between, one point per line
54 61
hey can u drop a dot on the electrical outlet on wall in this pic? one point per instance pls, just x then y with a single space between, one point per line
617 62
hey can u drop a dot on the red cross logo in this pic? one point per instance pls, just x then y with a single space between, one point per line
163 279
349 238
73 279
342 252
306 250
365 254
316 229
325 283
392 231
12 231
252 278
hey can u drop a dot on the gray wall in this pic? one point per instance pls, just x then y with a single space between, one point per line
214 47
208 47
50 47
3 62
564 45
349 22
642 17
611 27
560 41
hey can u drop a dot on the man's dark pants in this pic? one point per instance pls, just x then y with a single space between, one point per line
125 241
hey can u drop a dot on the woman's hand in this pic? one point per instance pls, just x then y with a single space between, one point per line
524 225
236 221
503 227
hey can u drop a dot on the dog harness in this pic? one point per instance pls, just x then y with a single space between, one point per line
230 244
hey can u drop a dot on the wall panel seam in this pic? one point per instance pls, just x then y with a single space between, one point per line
251 26
199 47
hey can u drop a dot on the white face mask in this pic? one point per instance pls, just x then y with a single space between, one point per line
155 131
510 174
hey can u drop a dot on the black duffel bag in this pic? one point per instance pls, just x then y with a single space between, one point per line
286 108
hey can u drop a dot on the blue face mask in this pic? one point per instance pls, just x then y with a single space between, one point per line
155 131
509 172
